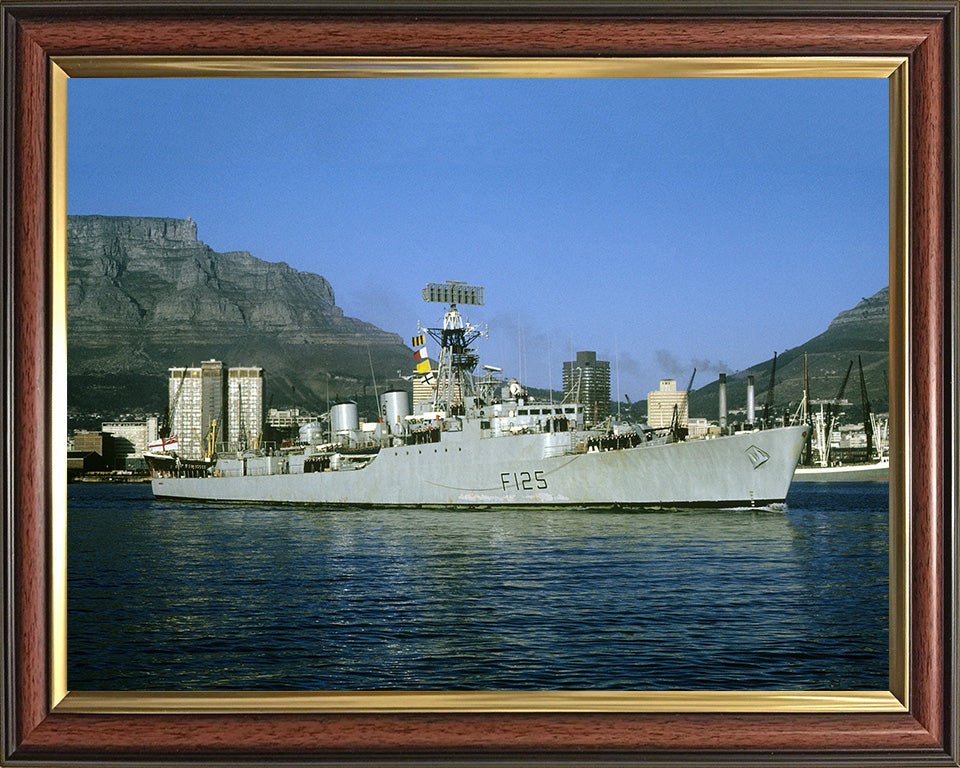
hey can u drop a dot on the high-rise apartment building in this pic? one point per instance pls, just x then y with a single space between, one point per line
588 381
185 408
244 407
422 395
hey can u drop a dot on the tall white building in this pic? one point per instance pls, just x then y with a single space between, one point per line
661 404
244 407
185 398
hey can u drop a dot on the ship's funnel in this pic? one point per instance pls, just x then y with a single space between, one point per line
723 401
750 400
395 406
343 418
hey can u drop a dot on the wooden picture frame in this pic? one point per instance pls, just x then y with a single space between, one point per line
39 729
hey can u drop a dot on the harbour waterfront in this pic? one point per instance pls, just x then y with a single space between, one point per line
169 595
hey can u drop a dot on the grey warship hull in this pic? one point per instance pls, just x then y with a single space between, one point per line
467 468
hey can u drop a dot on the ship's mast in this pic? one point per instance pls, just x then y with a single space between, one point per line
457 360
867 411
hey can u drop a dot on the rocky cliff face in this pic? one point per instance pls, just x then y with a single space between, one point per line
144 294
867 324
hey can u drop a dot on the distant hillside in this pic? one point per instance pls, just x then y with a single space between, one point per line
143 294
863 330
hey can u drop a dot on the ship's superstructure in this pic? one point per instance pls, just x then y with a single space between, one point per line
485 444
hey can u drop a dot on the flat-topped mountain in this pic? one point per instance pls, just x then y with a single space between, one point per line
144 294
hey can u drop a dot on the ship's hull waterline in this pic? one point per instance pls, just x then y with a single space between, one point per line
536 470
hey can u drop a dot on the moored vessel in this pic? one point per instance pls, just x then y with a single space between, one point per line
823 466
844 473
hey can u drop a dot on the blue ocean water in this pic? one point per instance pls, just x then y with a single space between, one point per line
192 596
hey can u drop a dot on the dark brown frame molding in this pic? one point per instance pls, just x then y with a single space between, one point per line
925 32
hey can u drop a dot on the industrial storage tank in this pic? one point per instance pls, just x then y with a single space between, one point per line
395 406
312 433
344 418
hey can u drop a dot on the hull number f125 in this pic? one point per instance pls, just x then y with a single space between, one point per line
523 481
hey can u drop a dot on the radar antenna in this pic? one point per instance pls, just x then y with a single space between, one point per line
457 360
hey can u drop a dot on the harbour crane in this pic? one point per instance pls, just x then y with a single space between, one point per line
833 409
675 426
823 423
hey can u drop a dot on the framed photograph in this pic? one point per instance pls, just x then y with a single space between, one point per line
911 49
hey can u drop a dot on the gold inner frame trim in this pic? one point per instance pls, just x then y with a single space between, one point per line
58 382
383 702
901 431
429 66
894 69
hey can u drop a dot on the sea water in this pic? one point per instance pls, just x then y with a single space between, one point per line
197 596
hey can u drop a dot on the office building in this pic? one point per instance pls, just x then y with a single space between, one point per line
587 380
130 439
185 407
244 407
196 403
662 404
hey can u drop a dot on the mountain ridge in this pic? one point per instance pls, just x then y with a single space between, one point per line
860 332
145 294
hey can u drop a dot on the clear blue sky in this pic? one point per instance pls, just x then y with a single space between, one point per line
662 223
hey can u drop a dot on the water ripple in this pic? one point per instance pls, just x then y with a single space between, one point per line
166 595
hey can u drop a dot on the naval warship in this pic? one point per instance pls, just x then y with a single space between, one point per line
482 443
